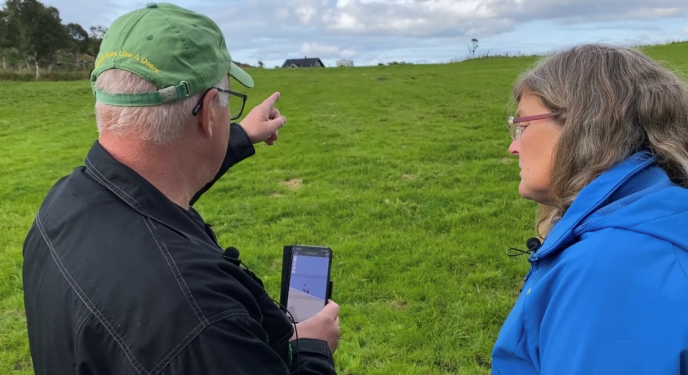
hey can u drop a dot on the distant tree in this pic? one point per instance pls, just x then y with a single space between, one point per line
473 47
5 42
95 38
39 31
55 33
33 34
260 64
80 40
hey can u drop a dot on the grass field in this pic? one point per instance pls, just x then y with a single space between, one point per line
402 170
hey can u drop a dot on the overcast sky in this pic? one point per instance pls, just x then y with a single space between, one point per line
372 31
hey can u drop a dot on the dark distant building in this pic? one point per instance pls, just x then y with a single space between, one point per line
313 62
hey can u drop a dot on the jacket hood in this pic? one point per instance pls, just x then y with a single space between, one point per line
635 195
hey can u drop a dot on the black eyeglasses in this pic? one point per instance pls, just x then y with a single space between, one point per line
230 103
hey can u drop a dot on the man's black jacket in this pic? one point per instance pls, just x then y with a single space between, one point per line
120 280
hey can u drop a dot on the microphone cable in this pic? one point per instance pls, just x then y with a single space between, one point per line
241 264
533 245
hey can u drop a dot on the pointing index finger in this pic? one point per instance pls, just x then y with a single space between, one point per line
272 99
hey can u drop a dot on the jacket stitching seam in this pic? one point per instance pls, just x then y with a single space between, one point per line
678 260
229 314
525 320
123 345
101 177
263 298
193 334
625 204
80 323
283 339
635 229
131 201
673 248
82 318
178 348
177 274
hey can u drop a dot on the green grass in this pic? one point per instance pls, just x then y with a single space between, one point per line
402 170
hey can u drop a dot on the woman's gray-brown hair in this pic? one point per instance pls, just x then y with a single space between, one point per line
611 102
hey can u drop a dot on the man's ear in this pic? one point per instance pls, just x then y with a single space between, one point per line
206 117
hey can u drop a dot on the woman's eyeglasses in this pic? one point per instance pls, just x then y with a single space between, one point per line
515 124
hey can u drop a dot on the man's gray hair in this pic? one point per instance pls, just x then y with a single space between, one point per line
158 124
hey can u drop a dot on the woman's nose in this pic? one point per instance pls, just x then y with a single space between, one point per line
514 147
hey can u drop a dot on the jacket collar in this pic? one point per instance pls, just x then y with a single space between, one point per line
590 199
140 194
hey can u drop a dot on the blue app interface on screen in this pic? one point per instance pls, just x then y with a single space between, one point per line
308 284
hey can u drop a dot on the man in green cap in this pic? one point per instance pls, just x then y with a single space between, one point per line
121 273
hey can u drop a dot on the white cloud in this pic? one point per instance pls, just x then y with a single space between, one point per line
371 31
325 52
403 18
305 13
282 14
313 49
346 22
347 54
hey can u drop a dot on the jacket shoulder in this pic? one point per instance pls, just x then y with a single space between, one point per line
612 302
138 277
622 252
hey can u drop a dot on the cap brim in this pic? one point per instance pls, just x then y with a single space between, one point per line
240 75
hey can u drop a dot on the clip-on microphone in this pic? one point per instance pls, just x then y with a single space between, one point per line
533 245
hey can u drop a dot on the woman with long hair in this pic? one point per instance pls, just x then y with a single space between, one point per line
601 134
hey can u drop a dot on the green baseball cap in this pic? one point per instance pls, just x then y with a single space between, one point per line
180 51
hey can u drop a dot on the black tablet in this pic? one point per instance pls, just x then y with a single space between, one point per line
306 285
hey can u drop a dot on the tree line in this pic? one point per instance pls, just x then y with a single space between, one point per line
33 36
